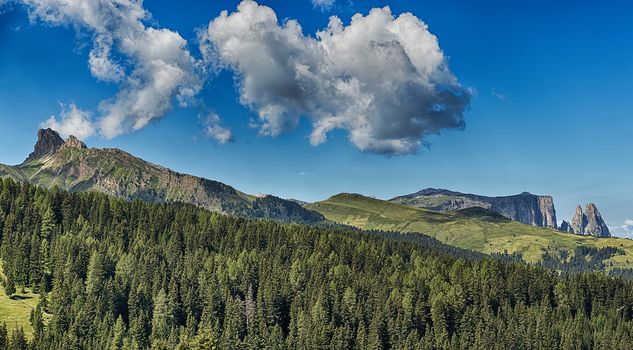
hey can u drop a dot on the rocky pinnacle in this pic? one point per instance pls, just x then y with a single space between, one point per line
48 142
589 222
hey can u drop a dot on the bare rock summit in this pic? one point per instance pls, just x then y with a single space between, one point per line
589 222
48 142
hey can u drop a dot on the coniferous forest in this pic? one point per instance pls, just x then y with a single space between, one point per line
132 275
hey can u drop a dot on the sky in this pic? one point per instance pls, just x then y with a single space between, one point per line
306 99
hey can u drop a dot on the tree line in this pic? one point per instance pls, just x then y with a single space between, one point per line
132 275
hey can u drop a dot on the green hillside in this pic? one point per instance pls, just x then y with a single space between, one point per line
469 230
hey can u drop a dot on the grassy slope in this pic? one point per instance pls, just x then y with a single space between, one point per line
484 235
9 171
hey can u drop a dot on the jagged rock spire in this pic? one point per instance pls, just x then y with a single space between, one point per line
595 224
589 222
48 142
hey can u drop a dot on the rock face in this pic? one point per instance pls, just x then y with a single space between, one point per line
525 207
566 227
578 222
589 222
74 167
48 142
595 224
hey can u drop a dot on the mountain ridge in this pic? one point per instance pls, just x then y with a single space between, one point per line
527 208
72 166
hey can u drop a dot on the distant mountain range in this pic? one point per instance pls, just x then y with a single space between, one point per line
525 207
72 166
474 228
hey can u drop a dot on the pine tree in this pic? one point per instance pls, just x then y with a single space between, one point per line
4 337
37 321
9 286
18 340
162 317
118 334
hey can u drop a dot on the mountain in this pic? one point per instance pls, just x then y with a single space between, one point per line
474 228
72 166
589 222
525 207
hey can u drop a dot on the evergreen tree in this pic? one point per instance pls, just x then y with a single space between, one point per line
18 340
9 286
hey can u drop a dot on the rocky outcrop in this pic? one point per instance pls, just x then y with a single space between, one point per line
48 142
525 207
589 222
566 227
73 142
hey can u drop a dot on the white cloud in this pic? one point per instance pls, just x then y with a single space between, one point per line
214 129
101 66
72 121
157 67
501 97
323 4
383 79
626 230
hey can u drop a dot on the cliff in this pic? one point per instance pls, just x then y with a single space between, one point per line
525 207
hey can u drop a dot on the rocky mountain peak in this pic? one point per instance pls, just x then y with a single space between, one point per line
120 174
589 222
48 142
73 142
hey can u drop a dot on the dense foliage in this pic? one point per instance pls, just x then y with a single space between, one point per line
132 275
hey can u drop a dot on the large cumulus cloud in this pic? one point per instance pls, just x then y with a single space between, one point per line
152 65
383 79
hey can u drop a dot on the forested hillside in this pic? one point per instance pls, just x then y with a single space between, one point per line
133 275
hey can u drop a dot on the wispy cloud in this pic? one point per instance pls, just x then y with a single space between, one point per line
498 95
213 128
323 4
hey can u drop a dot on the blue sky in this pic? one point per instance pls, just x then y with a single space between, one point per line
551 110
